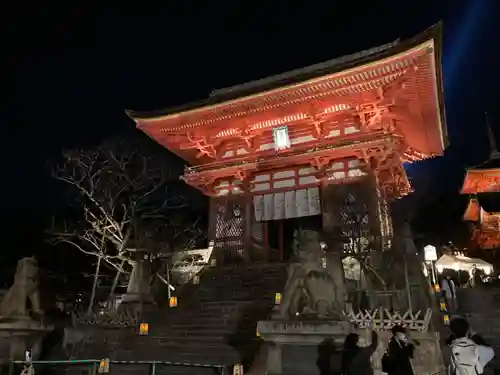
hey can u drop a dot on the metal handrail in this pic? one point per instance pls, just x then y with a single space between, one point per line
97 361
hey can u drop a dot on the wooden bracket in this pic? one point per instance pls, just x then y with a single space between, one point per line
242 175
201 182
377 115
387 166
202 145
320 162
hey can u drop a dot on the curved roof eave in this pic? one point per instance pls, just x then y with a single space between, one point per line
301 75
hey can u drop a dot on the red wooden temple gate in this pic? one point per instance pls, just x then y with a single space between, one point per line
324 141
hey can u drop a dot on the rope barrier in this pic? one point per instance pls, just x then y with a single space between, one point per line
105 363
85 361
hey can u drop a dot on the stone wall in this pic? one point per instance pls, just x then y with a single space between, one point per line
294 347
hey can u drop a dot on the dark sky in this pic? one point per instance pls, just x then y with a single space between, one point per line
70 70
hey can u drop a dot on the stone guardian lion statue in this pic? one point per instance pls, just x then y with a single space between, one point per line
310 290
25 287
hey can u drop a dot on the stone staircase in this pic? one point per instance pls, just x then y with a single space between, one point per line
214 325
481 307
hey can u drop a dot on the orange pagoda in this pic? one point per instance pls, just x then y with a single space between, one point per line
483 211
324 144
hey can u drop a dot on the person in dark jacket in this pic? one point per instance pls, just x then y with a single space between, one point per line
325 352
401 349
356 359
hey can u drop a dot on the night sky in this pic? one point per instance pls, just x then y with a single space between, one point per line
69 71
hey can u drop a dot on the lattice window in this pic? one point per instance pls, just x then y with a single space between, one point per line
354 221
229 219
385 220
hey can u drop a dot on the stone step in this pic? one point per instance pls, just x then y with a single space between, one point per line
213 322
188 352
207 359
222 305
205 331
216 315
183 370
253 277
205 313
215 340
237 283
221 290
204 344
254 280
199 326
166 340
213 313
240 297
232 326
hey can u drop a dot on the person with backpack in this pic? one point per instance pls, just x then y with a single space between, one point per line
469 353
397 359
449 290
356 359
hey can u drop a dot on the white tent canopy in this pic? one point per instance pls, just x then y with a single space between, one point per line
461 263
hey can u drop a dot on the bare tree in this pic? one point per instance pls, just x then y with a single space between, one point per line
125 201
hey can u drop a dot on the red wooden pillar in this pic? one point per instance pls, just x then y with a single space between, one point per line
248 220
281 240
212 228
265 240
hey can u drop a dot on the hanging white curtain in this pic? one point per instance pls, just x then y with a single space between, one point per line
287 205
258 207
279 206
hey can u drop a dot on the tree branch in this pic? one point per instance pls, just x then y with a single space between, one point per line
124 204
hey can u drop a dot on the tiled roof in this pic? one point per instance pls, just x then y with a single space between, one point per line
299 75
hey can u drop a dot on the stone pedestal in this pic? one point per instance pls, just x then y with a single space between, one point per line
136 304
19 334
293 345
135 298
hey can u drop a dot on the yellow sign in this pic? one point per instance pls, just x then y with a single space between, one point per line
104 366
237 370
277 298
437 288
446 319
172 302
144 329
442 306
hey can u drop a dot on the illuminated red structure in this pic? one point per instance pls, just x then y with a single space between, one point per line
483 185
310 143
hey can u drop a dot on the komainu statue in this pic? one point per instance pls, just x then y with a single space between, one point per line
310 290
15 302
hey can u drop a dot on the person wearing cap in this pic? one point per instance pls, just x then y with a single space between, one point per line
400 350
